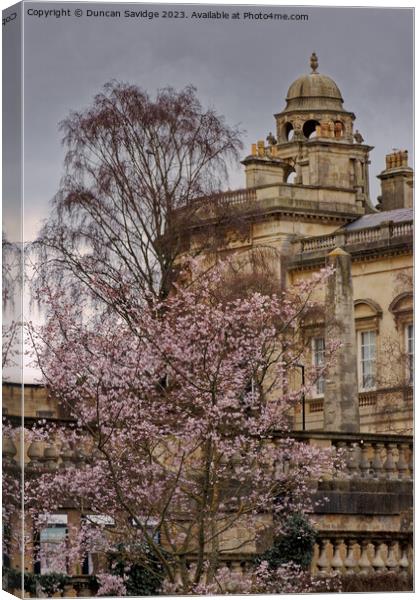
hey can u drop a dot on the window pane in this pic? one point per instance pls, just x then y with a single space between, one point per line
53 549
410 351
318 350
368 358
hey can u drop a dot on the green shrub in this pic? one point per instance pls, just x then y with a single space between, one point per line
52 582
141 580
12 579
295 545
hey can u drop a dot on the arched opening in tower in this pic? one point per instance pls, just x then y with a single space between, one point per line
309 128
289 132
290 176
338 129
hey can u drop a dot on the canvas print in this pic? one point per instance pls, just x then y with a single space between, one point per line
208 342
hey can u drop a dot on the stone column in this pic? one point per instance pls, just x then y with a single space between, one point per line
341 398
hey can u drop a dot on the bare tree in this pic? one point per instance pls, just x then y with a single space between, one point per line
11 272
11 304
134 168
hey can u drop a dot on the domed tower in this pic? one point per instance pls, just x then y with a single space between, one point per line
315 143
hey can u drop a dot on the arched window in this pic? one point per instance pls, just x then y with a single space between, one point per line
367 316
338 129
291 176
309 128
402 309
289 132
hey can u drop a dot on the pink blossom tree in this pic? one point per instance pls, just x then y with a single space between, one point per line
181 436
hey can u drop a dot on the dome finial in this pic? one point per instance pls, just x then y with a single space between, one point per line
314 62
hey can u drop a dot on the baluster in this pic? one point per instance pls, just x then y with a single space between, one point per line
354 462
84 591
280 466
377 463
69 591
51 456
190 568
9 450
66 456
178 579
391 561
402 465
323 562
236 576
78 456
410 462
350 562
404 562
343 451
36 454
364 560
378 563
337 563
390 469
364 460
236 567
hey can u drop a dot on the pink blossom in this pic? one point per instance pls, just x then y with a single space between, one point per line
182 428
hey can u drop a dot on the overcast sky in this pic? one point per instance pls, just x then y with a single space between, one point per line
242 68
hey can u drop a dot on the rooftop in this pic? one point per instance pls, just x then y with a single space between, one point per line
398 215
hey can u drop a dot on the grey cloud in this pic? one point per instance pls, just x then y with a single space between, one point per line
243 69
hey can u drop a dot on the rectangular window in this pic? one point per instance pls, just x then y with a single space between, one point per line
45 414
89 564
52 545
318 361
409 331
368 359
151 524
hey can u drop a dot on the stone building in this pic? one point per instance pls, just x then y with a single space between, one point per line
307 196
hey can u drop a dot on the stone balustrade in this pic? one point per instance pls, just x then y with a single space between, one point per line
279 197
43 455
339 553
79 586
53 455
379 458
343 553
372 491
234 197
402 229
238 197
362 553
388 230
363 236
237 565
366 455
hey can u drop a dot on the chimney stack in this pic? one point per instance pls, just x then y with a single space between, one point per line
396 182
